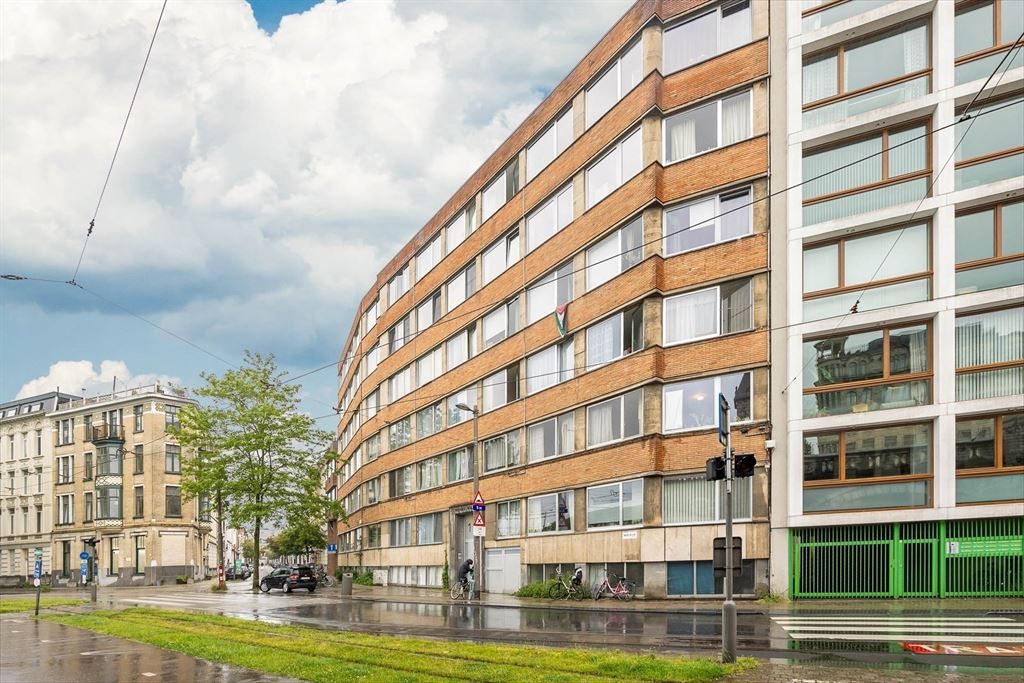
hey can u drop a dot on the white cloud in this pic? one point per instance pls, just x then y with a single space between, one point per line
77 376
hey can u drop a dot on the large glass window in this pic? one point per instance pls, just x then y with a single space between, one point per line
615 419
459 465
549 514
710 34
501 451
372 447
990 248
501 388
549 367
616 253
867 173
990 458
172 501
400 481
501 323
871 73
429 311
709 126
875 270
622 162
615 337
428 367
399 433
401 532
428 421
993 149
553 290
984 31
693 500
620 504
864 371
429 256
508 519
990 354
429 529
885 467
400 384
552 142
708 221
551 217
708 313
501 189
463 224
461 347
108 460
461 287
500 256
172 459
551 438
399 334
467 397
428 473
614 83
398 285
693 404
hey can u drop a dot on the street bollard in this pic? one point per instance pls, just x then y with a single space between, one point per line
346 583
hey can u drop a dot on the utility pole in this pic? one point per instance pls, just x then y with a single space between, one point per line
220 536
474 465
728 607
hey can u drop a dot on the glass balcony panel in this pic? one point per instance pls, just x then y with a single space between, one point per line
987 489
981 68
989 172
872 200
867 496
873 298
869 101
990 383
842 11
867 399
990 277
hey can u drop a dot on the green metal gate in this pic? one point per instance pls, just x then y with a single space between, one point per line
983 557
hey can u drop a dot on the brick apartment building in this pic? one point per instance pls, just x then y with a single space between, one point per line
589 291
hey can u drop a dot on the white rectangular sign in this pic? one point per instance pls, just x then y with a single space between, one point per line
629 535
479 530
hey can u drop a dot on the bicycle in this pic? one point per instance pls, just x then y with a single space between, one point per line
564 589
462 589
323 578
622 589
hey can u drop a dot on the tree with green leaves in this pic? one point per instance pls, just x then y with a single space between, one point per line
250 445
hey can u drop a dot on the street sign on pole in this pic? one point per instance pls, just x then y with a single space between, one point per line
479 531
83 555
723 419
478 520
38 552
478 499
728 606
85 567
38 572
479 508
332 547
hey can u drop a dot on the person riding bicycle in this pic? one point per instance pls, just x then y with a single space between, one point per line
465 569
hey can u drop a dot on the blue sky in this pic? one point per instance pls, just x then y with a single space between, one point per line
265 176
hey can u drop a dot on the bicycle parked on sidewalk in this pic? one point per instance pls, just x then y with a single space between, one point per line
323 578
621 588
462 589
571 587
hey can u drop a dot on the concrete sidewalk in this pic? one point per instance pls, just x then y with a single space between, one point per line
34 651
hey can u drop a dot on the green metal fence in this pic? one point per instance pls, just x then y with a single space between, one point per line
961 558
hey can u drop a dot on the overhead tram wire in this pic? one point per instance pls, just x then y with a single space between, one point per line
117 148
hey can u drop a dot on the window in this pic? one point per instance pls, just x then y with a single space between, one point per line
88 506
552 142
108 461
501 451
372 447
39 442
990 248
140 555
39 519
398 285
429 529
615 419
990 354
990 458
373 536
139 460
692 500
615 254
114 561
461 347
551 438
137 412
462 286
994 150
549 367
372 491
615 337
459 465
170 415
401 531
886 467
172 459
501 189
710 34
549 514
39 480
65 433
552 291
864 371
371 404
465 396
429 257
984 31
400 384
619 504
65 470
203 506
551 217
708 221
500 388
707 127
140 502
622 162
610 87
878 71
459 228
867 173
428 421
400 481
708 313
500 256
873 270
108 502
693 404
172 501
399 433
501 323
428 473
399 334
428 367
820 13
87 474
429 312
509 524
370 316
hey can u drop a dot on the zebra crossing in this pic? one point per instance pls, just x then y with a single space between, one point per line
232 600
980 630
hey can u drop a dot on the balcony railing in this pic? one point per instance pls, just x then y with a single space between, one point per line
106 432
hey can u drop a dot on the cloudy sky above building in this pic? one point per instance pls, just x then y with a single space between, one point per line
272 165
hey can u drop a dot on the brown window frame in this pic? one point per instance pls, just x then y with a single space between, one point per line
821 8
998 256
999 154
843 288
840 52
970 369
887 377
999 467
886 179
997 26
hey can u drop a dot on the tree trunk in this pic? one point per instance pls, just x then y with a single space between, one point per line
256 552
220 537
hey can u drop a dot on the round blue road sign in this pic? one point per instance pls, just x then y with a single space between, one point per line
83 555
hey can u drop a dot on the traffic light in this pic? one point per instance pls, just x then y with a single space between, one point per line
743 465
715 469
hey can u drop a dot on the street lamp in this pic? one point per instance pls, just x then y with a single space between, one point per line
477 570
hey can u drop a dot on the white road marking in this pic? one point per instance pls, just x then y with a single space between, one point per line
977 630
900 637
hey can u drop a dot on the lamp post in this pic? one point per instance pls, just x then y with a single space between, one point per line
473 465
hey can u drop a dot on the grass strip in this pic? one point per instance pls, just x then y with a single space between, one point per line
273 648
8 605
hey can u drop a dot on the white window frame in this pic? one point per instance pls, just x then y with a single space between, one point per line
713 399
557 420
620 525
570 505
564 362
65 509
558 142
429 256
716 217
428 367
490 383
458 453
622 418
636 253
718 313
439 414
616 150
620 351
423 483
591 118
400 384
501 181
718 501
454 236
718 126
717 11
551 279
506 249
560 203
506 507
406 526
398 285
509 459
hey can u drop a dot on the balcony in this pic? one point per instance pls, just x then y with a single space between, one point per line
105 432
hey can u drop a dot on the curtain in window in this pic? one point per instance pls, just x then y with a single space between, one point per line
632 244
566 434
602 264
600 423
541 370
672 407
689 499
737 308
691 316
736 118
915 49
993 337
682 137
603 341
829 162
540 440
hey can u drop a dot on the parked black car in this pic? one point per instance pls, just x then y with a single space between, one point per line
290 578
243 572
